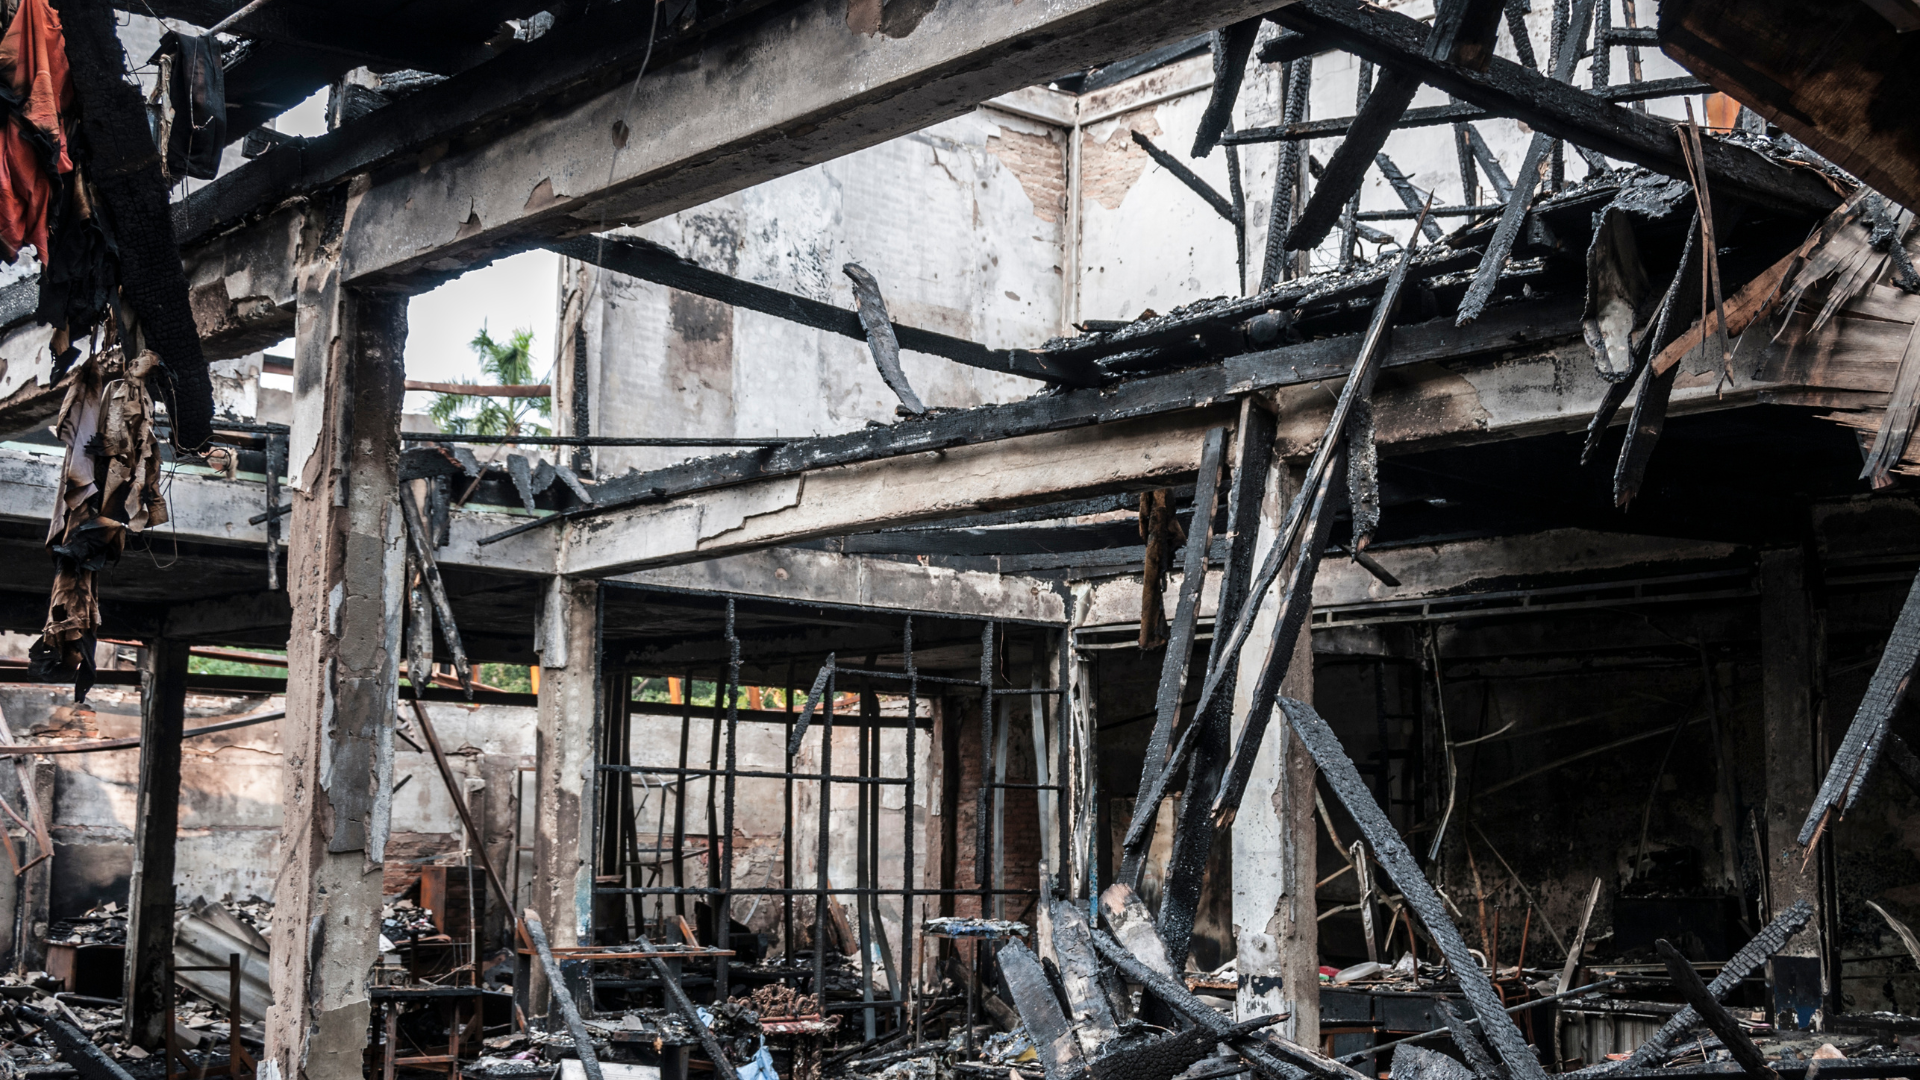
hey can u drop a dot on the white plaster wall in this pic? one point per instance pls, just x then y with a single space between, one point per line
957 222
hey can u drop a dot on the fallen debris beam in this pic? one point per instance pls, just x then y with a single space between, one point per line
562 994
1269 1054
1718 1019
1420 897
648 261
1557 109
1771 939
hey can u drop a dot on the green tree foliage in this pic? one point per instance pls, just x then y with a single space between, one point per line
502 363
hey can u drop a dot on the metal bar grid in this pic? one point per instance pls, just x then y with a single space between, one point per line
722 772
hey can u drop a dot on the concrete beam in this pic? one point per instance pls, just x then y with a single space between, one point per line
780 95
822 577
1129 455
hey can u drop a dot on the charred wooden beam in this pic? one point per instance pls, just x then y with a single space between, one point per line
1462 35
1269 1054
1847 776
1232 45
648 261
1220 203
1027 984
1349 164
1292 365
1718 1019
1744 962
1421 899
882 341
1435 115
1559 110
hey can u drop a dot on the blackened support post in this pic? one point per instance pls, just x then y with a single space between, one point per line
1789 697
150 900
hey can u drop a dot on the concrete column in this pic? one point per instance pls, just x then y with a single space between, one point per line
569 649
163 706
345 578
1274 844
1789 672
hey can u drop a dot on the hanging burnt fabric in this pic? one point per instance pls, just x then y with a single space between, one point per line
195 129
78 276
36 96
109 488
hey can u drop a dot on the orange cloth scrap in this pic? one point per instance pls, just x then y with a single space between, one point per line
33 64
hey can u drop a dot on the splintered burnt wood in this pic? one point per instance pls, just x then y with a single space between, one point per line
1232 45
1479 1058
881 339
562 995
1212 727
1860 750
1091 1013
1771 939
651 262
1179 650
1555 108
1418 893
1032 994
1220 203
1270 1054
1718 1019
1350 161
1520 196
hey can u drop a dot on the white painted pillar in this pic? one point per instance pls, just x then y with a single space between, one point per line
569 716
345 577
1274 914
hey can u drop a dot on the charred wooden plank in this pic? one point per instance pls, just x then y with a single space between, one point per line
1479 1058
1359 385
1131 924
1193 839
1271 1055
1463 32
1425 903
648 261
1771 939
1411 1062
1520 195
1090 1012
1286 178
1026 983
881 339
1220 203
1557 109
1232 45
1295 607
1718 1019
1349 164
1410 197
570 1012
1860 750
